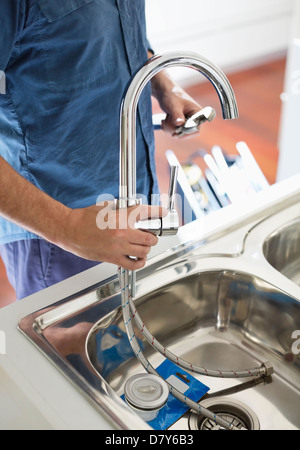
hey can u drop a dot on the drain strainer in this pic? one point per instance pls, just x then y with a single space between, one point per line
235 412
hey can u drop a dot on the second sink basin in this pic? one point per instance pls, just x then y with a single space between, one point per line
282 250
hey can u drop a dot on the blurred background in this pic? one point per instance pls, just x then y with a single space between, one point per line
257 44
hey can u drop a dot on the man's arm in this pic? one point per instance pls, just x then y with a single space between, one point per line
76 230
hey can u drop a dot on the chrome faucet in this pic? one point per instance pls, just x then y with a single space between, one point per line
127 188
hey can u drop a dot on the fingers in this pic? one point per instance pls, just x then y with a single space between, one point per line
179 107
132 264
121 243
139 243
143 238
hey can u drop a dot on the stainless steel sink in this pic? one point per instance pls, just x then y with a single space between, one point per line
214 308
224 324
282 250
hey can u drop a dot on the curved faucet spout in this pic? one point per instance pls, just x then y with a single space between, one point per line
129 107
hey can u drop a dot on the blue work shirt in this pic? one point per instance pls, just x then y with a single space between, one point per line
67 64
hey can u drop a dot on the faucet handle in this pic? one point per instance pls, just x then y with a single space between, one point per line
172 187
170 223
167 225
192 123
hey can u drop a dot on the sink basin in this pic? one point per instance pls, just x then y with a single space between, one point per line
282 250
224 324
223 311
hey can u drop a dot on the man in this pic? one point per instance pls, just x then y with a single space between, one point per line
67 64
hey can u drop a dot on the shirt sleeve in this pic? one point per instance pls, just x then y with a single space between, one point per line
11 20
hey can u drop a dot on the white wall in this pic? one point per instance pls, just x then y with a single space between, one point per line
231 33
289 142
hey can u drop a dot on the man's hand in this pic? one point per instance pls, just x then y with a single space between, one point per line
174 101
105 233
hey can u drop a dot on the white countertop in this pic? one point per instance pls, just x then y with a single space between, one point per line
33 393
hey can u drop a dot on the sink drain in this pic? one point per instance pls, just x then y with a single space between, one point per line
235 412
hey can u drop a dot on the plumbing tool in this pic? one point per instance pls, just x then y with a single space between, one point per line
192 123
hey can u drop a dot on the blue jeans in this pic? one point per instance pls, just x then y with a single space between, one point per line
34 264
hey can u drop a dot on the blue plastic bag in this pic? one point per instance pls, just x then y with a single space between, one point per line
186 384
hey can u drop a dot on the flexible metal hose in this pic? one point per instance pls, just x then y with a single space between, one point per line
252 372
126 299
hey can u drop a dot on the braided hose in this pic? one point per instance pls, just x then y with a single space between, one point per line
253 372
126 299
